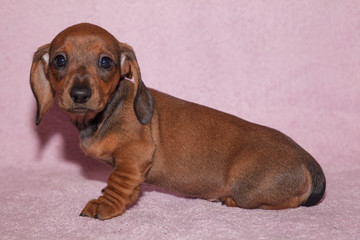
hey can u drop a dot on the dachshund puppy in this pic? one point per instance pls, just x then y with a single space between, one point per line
149 136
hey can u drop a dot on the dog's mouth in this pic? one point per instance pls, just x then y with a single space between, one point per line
81 116
80 110
80 113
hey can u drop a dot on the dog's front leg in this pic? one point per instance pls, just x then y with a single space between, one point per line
122 191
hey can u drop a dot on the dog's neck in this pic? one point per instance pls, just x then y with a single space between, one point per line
88 126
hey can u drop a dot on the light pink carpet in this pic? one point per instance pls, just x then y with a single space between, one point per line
291 65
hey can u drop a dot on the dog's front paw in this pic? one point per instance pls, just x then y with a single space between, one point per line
98 209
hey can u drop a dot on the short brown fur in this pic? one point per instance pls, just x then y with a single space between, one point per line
148 136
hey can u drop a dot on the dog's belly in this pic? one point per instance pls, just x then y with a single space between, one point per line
188 177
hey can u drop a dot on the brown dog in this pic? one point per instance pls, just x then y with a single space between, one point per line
153 137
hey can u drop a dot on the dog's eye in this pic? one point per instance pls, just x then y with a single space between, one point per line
105 62
60 61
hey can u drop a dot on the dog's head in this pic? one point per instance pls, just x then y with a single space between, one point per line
83 66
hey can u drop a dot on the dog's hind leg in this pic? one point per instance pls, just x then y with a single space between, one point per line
228 201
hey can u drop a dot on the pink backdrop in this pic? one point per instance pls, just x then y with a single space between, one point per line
292 65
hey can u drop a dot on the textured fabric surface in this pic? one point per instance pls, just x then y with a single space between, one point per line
290 65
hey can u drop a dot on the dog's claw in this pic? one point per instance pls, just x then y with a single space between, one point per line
96 216
83 215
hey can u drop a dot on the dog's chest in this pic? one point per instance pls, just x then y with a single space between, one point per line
101 149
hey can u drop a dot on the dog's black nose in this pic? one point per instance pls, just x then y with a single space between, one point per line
80 95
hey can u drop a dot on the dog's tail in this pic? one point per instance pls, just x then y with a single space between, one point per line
318 184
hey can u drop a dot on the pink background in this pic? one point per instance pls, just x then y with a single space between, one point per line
291 65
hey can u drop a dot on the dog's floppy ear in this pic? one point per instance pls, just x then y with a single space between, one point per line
143 101
39 82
